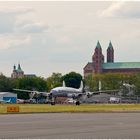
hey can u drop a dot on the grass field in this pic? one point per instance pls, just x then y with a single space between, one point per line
43 108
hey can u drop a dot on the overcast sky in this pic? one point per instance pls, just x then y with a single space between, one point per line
49 36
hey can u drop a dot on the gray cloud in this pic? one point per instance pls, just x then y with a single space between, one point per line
16 20
8 18
15 27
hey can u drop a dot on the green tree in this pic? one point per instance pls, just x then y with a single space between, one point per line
72 79
91 83
29 83
109 81
5 83
54 81
135 80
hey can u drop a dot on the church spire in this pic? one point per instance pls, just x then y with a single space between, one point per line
110 53
14 67
19 68
98 45
110 45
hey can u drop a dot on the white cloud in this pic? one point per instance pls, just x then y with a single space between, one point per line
10 41
9 16
20 20
15 10
122 9
17 25
62 39
32 27
112 10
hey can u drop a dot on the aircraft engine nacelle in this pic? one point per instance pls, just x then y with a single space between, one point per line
73 95
89 94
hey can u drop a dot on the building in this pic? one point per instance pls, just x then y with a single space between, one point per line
99 66
5 96
30 75
19 73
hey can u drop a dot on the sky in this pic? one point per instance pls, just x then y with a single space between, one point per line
60 36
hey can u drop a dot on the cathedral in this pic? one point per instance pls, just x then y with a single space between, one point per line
99 66
17 73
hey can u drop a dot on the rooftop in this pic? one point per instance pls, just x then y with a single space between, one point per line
121 65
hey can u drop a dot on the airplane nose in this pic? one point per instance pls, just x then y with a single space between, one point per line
50 95
53 92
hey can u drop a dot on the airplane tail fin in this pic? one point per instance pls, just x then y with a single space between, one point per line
64 84
9 101
81 86
100 85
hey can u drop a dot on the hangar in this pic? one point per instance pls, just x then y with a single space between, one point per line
5 96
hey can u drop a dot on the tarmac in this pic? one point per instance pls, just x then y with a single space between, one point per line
70 126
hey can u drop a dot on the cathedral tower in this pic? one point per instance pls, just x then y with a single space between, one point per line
110 53
98 58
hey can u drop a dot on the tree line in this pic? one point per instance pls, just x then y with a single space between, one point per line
71 79
112 81
108 81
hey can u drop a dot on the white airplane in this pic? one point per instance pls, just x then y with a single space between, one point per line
67 92
76 94
130 88
64 91
57 92
128 85
5 101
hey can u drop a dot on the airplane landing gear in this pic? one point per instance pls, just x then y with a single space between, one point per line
52 103
77 102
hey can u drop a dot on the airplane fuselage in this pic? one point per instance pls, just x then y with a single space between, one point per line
65 92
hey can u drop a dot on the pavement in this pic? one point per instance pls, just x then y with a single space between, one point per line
70 126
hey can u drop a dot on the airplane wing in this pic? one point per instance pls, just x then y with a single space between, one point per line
102 91
106 91
89 94
33 92
44 93
24 90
